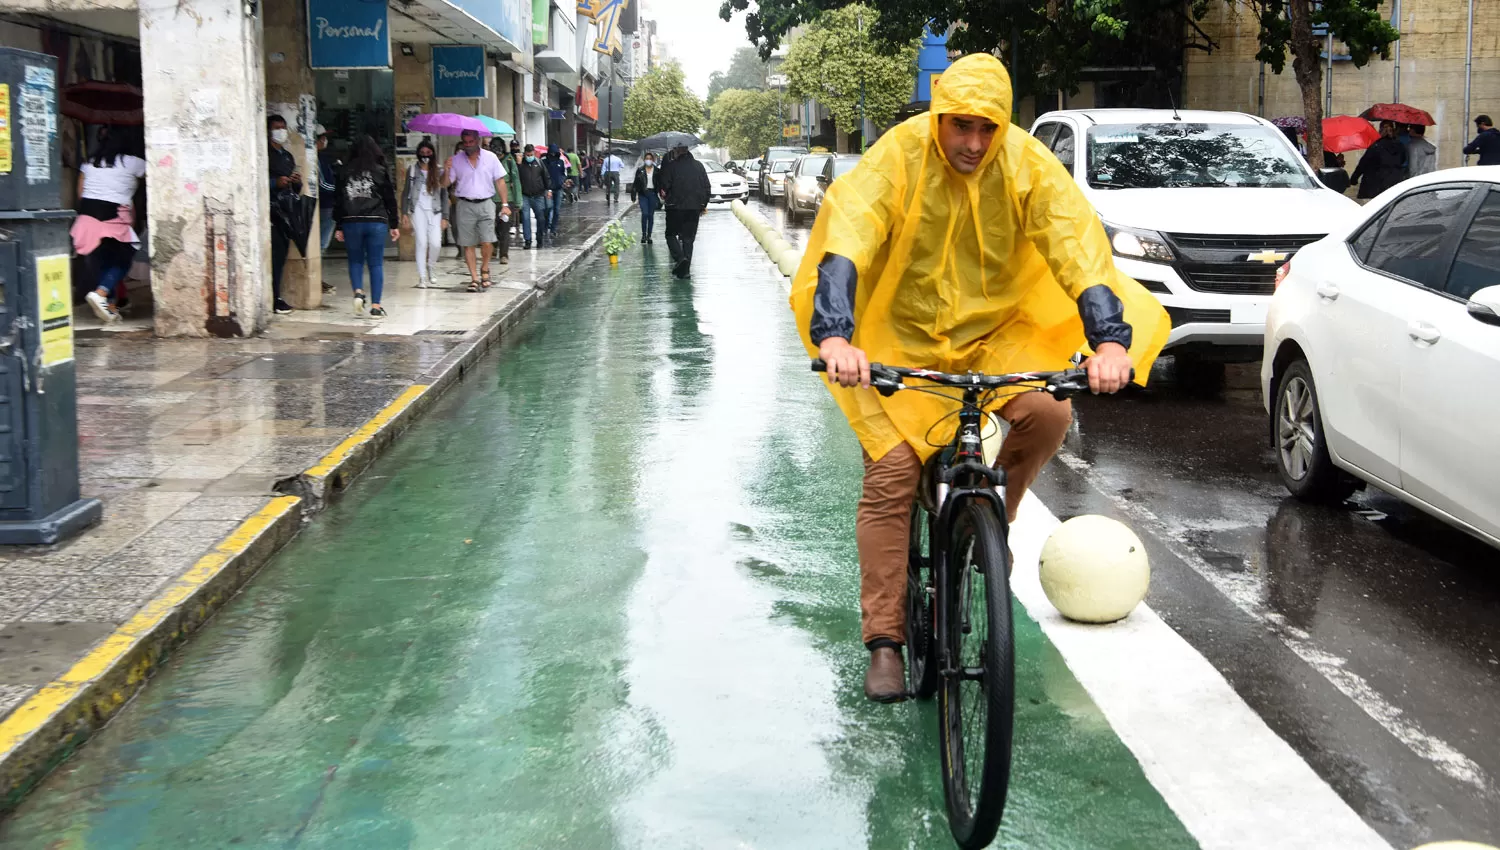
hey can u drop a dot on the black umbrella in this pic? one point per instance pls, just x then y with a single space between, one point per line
668 140
293 214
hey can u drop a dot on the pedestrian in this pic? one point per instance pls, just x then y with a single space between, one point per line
586 165
611 168
505 221
687 192
1421 155
104 230
328 171
365 215
557 177
476 178
1486 143
534 197
284 178
424 210
646 187
1382 166
575 173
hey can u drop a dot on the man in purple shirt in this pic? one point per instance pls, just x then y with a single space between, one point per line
476 177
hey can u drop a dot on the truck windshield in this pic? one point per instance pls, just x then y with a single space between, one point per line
1184 155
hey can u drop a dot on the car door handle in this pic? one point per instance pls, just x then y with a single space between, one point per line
1328 291
1423 332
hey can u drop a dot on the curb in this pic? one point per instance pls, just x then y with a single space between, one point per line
53 722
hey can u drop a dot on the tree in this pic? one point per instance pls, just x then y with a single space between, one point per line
746 122
838 63
1288 25
659 102
747 71
1049 42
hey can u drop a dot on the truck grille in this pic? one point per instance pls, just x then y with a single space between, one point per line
1221 264
1186 316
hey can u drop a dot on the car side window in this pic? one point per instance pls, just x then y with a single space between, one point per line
1362 243
1046 133
1412 243
1478 262
1063 146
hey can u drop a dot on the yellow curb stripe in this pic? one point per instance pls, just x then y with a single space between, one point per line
30 715
366 431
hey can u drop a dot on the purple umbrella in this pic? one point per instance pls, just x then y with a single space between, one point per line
446 124
1292 122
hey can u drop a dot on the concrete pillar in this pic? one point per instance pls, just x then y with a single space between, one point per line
207 177
413 84
291 93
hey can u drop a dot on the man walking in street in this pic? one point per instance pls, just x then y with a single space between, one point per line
505 221
284 178
1421 155
612 168
557 175
476 177
687 190
534 197
1487 143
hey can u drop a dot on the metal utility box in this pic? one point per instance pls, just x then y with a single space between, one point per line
39 490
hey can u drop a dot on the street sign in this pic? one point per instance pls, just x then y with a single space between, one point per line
791 131
347 34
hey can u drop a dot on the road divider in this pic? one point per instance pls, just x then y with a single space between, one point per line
785 256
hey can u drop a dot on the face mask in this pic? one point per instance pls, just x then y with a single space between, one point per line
280 136
650 162
530 158
425 157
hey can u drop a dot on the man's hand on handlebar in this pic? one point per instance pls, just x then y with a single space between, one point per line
1110 369
847 366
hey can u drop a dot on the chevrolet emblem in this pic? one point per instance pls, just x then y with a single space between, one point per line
1266 256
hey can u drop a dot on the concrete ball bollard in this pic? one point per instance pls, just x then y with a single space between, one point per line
1094 569
791 258
774 252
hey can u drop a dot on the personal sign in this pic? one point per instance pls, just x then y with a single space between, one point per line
458 71
348 34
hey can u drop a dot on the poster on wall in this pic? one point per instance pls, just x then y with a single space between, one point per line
458 70
54 291
348 34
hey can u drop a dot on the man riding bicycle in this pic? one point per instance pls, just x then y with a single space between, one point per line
959 243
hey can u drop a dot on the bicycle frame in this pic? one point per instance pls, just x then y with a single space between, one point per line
966 477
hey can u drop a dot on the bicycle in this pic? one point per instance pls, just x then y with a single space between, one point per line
959 634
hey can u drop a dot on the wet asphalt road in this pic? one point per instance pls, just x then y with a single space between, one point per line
1367 636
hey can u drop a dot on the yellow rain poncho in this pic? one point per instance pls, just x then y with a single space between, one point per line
961 272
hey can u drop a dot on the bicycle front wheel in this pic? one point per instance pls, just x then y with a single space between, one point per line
977 696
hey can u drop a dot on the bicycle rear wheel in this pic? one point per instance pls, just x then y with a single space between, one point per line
977 695
920 667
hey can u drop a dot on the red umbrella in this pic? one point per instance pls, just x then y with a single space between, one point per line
1344 133
100 102
1398 112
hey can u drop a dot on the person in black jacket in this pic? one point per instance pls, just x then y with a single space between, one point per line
1487 143
364 208
647 188
687 189
1382 166
534 196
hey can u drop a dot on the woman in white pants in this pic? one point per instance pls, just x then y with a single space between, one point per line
423 210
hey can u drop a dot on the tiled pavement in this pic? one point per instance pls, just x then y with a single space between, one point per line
185 439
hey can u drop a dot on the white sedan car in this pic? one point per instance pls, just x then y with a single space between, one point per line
1382 358
726 186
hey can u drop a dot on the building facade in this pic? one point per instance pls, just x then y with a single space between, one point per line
206 74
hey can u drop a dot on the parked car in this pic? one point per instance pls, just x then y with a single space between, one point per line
801 193
725 186
1201 208
767 162
835 168
774 181
1382 353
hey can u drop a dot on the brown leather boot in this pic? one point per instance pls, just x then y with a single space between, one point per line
885 681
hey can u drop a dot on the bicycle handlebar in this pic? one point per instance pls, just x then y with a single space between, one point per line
1061 385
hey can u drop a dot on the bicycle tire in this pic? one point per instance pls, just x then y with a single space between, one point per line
980 711
921 670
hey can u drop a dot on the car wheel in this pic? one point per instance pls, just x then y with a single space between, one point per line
1301 447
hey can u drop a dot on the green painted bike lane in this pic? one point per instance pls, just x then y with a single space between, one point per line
604 595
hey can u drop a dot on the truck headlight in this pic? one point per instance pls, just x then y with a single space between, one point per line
1139 244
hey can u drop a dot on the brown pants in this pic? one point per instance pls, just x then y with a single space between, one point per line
1038 424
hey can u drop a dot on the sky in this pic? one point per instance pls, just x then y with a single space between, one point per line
696 37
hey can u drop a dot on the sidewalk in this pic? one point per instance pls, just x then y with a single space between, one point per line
208 454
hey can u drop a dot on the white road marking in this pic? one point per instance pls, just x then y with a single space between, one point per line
1231 781
1242 590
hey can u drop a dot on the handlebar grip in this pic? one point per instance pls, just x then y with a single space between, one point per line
818 365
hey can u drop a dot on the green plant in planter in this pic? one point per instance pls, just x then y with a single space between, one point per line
616 239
